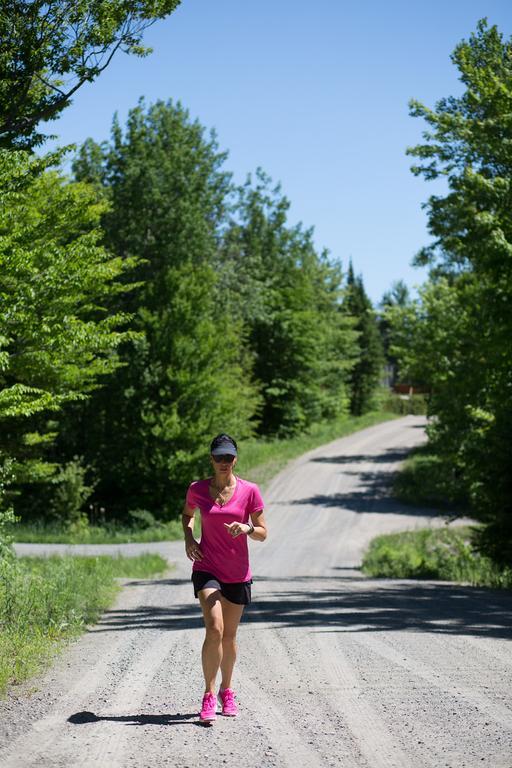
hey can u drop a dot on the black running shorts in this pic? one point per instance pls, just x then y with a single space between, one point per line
238 592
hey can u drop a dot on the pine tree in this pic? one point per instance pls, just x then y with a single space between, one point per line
366 373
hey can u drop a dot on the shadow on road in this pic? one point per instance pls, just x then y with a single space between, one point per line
82 718
384 457
375 488
374 496
345 604
358 605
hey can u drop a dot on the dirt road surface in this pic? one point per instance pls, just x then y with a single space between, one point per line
334 669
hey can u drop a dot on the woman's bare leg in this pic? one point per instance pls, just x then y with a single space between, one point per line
211 654
232 613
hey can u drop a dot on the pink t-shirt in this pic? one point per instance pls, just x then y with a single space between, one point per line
224 556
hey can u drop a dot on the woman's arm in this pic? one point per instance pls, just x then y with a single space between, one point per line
260 526
191 545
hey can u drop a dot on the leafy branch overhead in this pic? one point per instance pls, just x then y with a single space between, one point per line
455 338
48 50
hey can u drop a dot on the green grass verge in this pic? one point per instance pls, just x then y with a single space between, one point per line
434 553
53 534
426 480
46 601
259 461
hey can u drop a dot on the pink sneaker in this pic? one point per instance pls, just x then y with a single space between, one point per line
208 708
226 699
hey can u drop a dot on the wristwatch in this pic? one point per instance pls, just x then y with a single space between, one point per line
251 528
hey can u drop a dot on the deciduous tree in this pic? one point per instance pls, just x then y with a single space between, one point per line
57 337
51 48
463 324
188 377
288 297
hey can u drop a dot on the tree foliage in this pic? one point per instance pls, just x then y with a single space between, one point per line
369 360
189 376
57 337
288 297
457 335
398 296
48 50
147 304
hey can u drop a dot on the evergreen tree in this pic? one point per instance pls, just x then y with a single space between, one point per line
189 376
367 370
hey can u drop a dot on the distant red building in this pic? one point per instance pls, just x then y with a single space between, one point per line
409 389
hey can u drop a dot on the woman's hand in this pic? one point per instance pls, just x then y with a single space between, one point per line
235 529
193 549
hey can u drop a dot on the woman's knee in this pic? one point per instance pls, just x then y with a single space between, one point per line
212 614
215 630
229 635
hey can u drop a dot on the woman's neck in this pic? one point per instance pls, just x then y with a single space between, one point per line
223 481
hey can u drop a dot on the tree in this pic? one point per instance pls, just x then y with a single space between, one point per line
57 339
398 296
288 298
50 49
465 317
366 372
188 377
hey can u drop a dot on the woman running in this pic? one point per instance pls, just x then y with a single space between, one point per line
231 510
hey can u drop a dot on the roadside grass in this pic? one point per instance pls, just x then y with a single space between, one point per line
45 601
444 554
48 533
260 459
426 480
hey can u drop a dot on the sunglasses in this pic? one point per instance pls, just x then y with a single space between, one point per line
225 458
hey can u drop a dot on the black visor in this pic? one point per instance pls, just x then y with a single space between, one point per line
226 447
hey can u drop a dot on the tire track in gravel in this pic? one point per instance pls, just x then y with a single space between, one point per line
304 713
470 695
148 697
110 741
291 747
379 751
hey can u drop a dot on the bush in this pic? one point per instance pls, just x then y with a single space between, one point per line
416 405
7 517
142 519
441 553
70 495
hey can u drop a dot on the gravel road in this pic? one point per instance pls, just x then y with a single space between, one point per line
334 669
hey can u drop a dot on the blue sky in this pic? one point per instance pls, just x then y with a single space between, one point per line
314 93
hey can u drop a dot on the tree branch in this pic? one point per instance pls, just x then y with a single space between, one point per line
49 85
50 109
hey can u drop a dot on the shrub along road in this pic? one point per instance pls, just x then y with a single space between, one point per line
334 669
